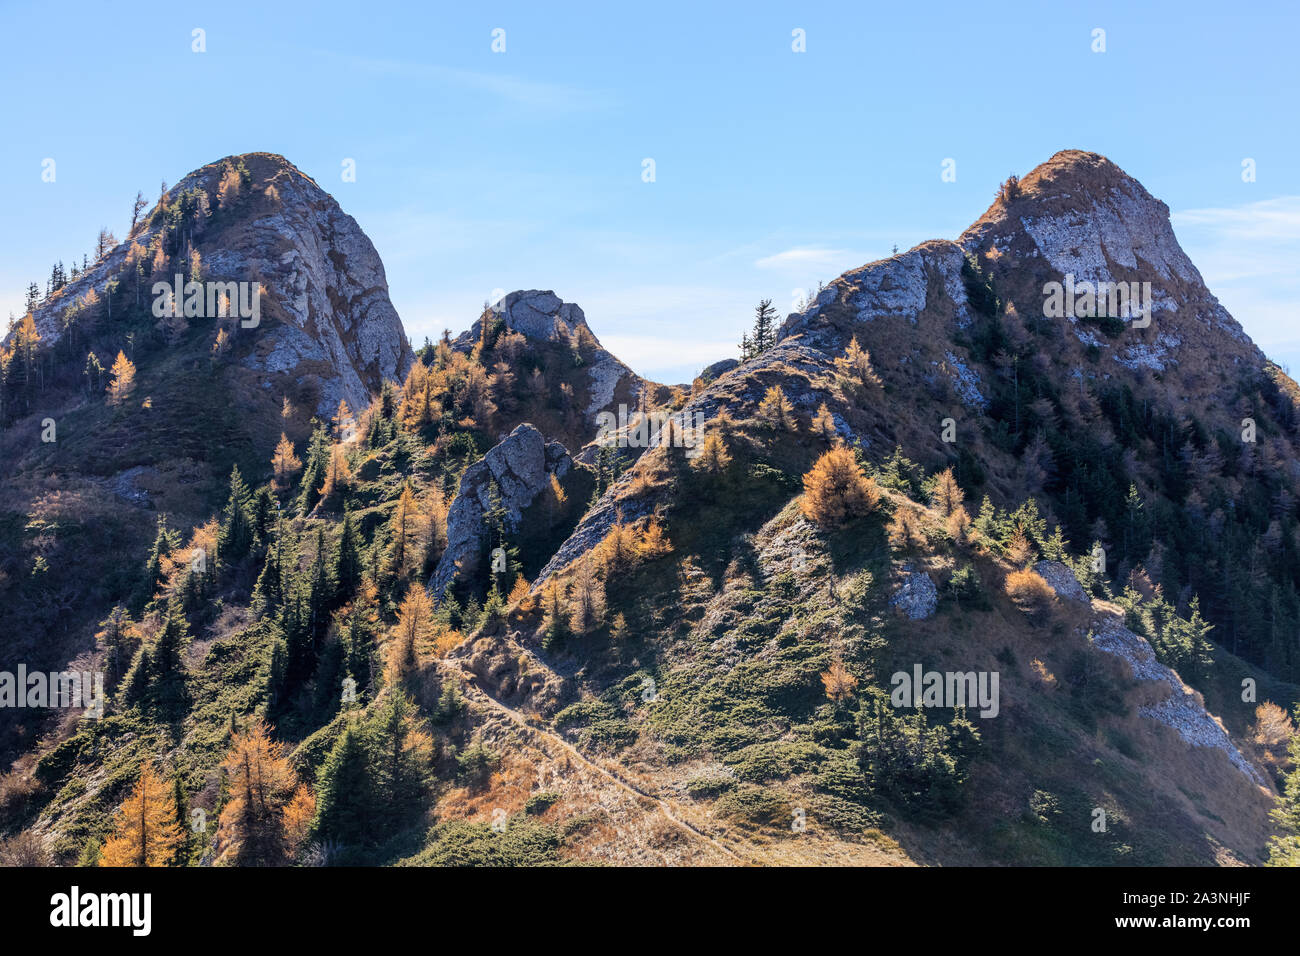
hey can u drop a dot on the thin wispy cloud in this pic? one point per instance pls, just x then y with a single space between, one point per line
802 260
538 95
1247 255
1269 220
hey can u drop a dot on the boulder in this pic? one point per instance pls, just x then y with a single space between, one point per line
521 465
1061 580
916 596
718 369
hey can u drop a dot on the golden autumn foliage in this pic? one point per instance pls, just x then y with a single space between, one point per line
298 815
119 389
434 522
414 627
823 425
837 489
713 457
855 365
653 543
518 593
624 546
775 410
1272 733
228 187
558 497
337 475
221 344
193 556
957 524
1020 550
1029 592
26 336
284 464
839 683
586 598
947 495
417 408
407 530
446 640
555 605
617 551
158 263
456 385
145 831
904 529
723 423
254 825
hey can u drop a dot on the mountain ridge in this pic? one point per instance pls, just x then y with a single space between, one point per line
689 622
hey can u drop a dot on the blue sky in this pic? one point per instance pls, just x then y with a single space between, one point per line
479 170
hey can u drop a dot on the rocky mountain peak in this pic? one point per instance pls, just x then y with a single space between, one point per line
326 326
536 314
1087 218
542 317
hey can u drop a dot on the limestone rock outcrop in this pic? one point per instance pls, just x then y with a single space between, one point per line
521 466
326 325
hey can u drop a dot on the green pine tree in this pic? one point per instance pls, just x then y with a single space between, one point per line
314 467
235 534
347 562
164 543
345 800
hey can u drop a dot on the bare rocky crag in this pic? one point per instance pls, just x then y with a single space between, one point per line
542 316
327 322
521 467
1079 212
1077 215
1182 709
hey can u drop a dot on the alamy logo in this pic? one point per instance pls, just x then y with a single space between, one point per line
1086 300
949 689
73 689
212 300
73 909
635 429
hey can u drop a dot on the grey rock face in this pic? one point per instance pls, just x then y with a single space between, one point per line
538 314
544 316
321 278
917 596
534 313
521 466
1061 580
1183 711
718 369
329 281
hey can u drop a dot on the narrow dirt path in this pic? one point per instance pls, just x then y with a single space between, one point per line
624 783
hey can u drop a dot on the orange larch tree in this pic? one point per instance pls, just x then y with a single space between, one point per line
837 489
119 390
145 831
254 829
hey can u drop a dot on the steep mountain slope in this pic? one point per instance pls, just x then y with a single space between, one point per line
85 479
1127 436
1071 410
688 649
331 332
